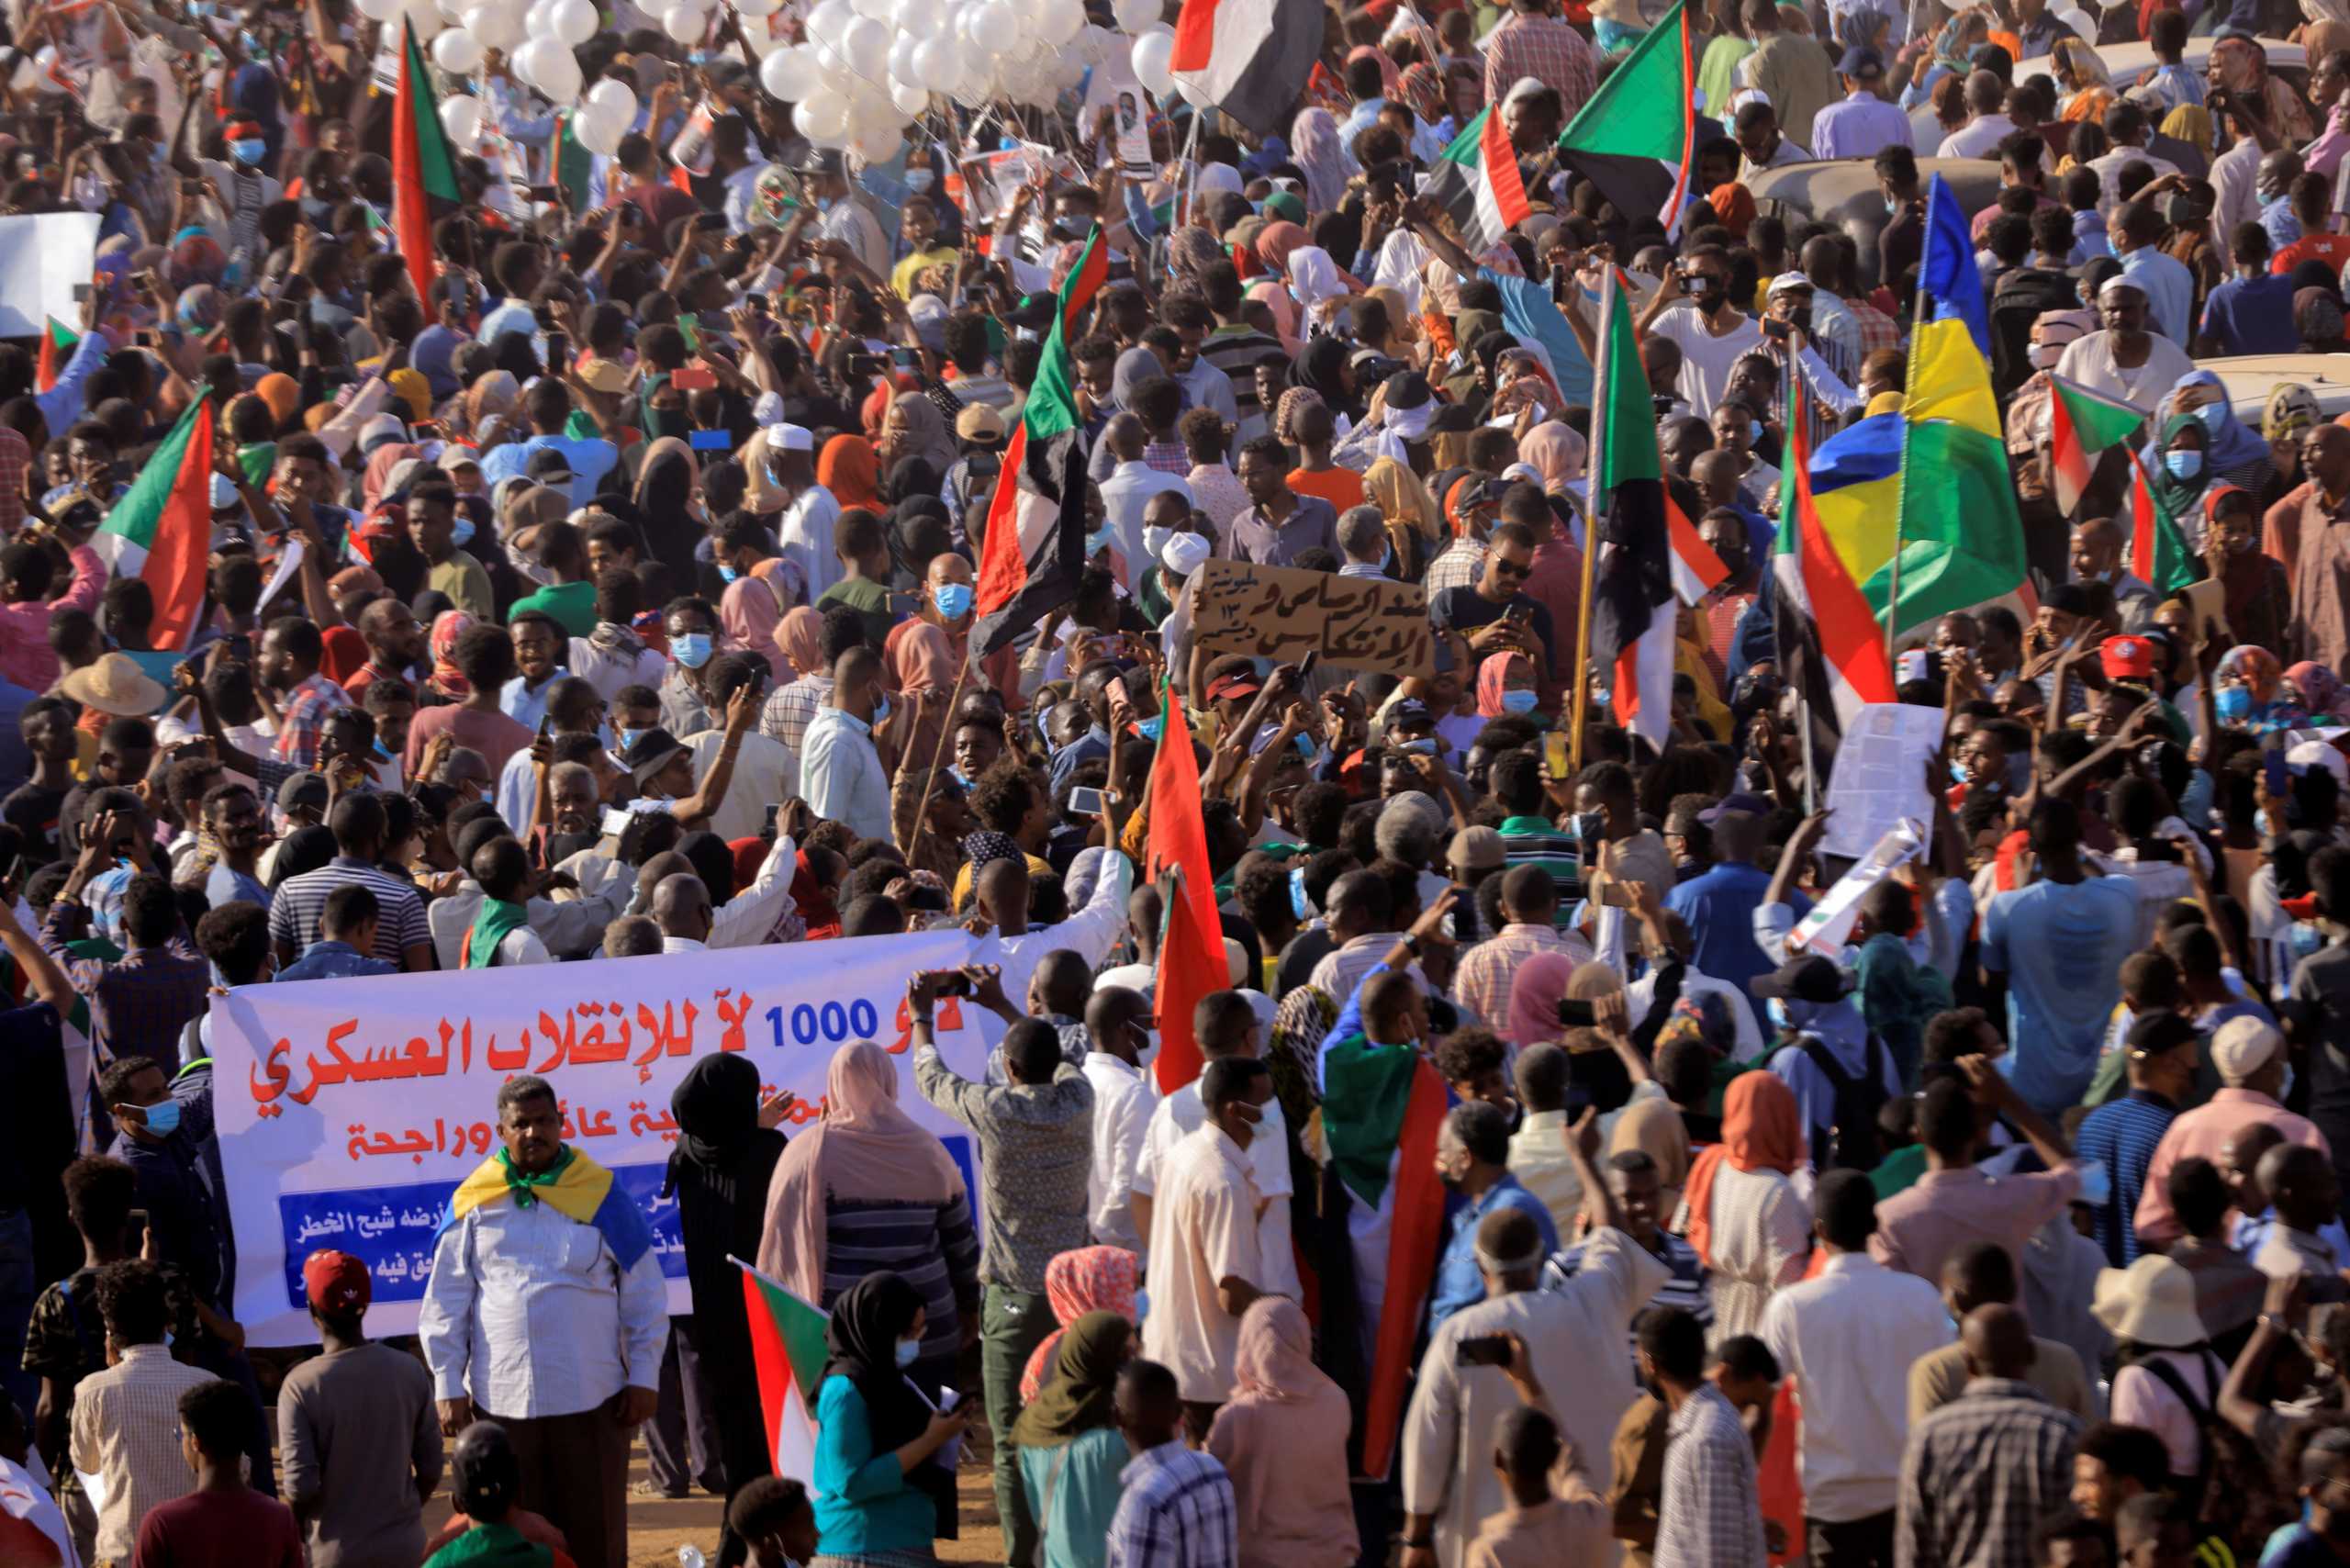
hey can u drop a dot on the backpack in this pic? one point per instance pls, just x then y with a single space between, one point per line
2230 1481
1852 1140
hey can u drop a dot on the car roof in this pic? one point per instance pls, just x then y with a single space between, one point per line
2249 379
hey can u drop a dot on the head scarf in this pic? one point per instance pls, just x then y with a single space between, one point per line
1400 496
2291 408
1274 243
723 1161
1321 152
1322 369
2228 446
861 1343
375 480
2245 576
1535 992
1190 250
848 468
2178 496
2320 689
1288 325
1286 412
1734 205
1390 73
283 395
1081 1281
1315 279
865 1148
1654 1127
799 637
1086 1359
2191 123
1761 1130
494 397
1424 89
1135 368
447 627
2256 670
927 436
1492 673
343 650
1557 453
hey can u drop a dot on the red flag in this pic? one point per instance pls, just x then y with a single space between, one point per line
1191 947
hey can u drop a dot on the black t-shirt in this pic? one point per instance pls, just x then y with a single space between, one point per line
33 810
1464 610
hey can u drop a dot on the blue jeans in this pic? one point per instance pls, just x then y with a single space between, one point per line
19 1284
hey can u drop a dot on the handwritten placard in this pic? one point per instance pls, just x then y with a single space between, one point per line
1283 613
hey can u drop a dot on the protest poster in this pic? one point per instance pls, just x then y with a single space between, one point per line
43 258
1281 614
348 1110
1880 778
1830 922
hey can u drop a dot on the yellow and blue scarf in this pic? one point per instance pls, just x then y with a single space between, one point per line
577 1187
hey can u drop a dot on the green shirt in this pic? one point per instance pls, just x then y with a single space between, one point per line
1535 841
467 584
868 599
572 605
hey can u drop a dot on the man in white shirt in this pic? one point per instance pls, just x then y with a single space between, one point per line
1849 1336
1692 310
1760 144
1126 494
765 770
1981 134
681 908
1116 1034
738 168
2125 122
824 178
805 531
841 774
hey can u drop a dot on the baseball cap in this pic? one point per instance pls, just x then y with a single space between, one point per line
1814 978
305 789
650 753
548 466
1752 805
336 1283
2127 658
1241 683
1409 713
980 421
1475 849
1787 282
2242 1047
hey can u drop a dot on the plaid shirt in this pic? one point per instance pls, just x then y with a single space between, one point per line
307 707
1167 457
1980 1472
1878 330
1546 49
14 458
125 1431
139 1002
1709 1515
1483 983
1462 562
791 707
1176 1511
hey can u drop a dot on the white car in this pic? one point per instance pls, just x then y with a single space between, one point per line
2250 377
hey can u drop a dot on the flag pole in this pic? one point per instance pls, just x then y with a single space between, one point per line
1608 301
938 749
1901 491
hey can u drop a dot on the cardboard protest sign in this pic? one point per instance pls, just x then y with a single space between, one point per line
1281 614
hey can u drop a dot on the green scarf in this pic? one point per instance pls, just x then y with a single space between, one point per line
496 918
520 1182
491 1546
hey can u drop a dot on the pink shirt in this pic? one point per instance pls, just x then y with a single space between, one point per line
2205 1131
1919 1229
25 658
2142 1399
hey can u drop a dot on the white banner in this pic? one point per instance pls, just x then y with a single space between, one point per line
43 258
348 1109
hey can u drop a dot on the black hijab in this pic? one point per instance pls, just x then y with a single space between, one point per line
862 1341
1321 368
664 486
720 1171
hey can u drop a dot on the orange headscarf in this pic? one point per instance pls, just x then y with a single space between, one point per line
848 468
1761 1130
1274 243
1734 205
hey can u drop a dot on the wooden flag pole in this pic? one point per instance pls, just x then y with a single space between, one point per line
1607 303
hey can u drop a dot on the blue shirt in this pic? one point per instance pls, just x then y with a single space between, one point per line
2253 315
1859 127
2061 945
1720 908
526 705
590 460
1458 1281
328 960
2088 236
226 884
2123 1133
2170 292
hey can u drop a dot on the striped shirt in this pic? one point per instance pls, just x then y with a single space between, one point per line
125 1431
1237 351
935 1246
1685 1286
1533 841
2124 1133
1708 1515
301 903
1176 1510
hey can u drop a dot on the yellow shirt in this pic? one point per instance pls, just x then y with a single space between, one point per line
902 275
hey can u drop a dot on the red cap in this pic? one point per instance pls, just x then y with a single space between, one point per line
2128 658
337 1282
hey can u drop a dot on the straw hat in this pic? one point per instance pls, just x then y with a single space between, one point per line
2151 1302
116 685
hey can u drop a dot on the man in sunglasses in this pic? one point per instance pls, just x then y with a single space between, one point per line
1494 612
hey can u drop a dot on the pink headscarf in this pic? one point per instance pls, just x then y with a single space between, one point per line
748 613
1535 992
1493 677
865 1148
1086 1279
380 463
447 627
1557 453
799 638
1286 320
1276 241
1283 1438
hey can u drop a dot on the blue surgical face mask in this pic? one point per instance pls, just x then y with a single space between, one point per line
1299 904
1892 207
248 151
692 649
1424 747
2096 1183
1152 727
1754 430
461 532
2260 823
2232 703
1387 561
881 710
919 179
1142 1306
164 1117
1778 1011
727 574
1958 773
954 599
908 1351
1520 701
628 738
2183 464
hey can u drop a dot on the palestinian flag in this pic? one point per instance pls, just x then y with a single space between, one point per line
1191 947
1643 531
161 531
1829 645
1248 58
422 171
57 346
2082 423
2158 552
1034 548
1475 183
787 1352
1647 107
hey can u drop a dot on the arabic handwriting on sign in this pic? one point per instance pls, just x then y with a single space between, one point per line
1281 614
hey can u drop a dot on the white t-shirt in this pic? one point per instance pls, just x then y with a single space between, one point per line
2089 360
1705 360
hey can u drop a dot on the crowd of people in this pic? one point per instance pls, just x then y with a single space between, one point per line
1552 1192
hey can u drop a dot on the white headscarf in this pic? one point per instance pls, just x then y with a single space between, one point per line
1314 279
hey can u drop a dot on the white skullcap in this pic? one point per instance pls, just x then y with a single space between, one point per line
1183 554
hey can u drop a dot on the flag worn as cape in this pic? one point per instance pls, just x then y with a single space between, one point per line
2082 423
788 1353
161 531
582 1190
422 171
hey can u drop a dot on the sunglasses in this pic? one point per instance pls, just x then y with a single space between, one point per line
1504 567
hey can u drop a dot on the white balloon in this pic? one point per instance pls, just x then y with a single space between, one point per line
574 22
758 8
379 10
829 21
535 56
910 99
559 76
684 23
919 19
866 48
879 10
461 120
1154 52
1134 16
1059 21
598 132
879 146
1193 94
934 63
823 115
458 52
498 25
424 16
790 73
612 95
450 9
995 27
